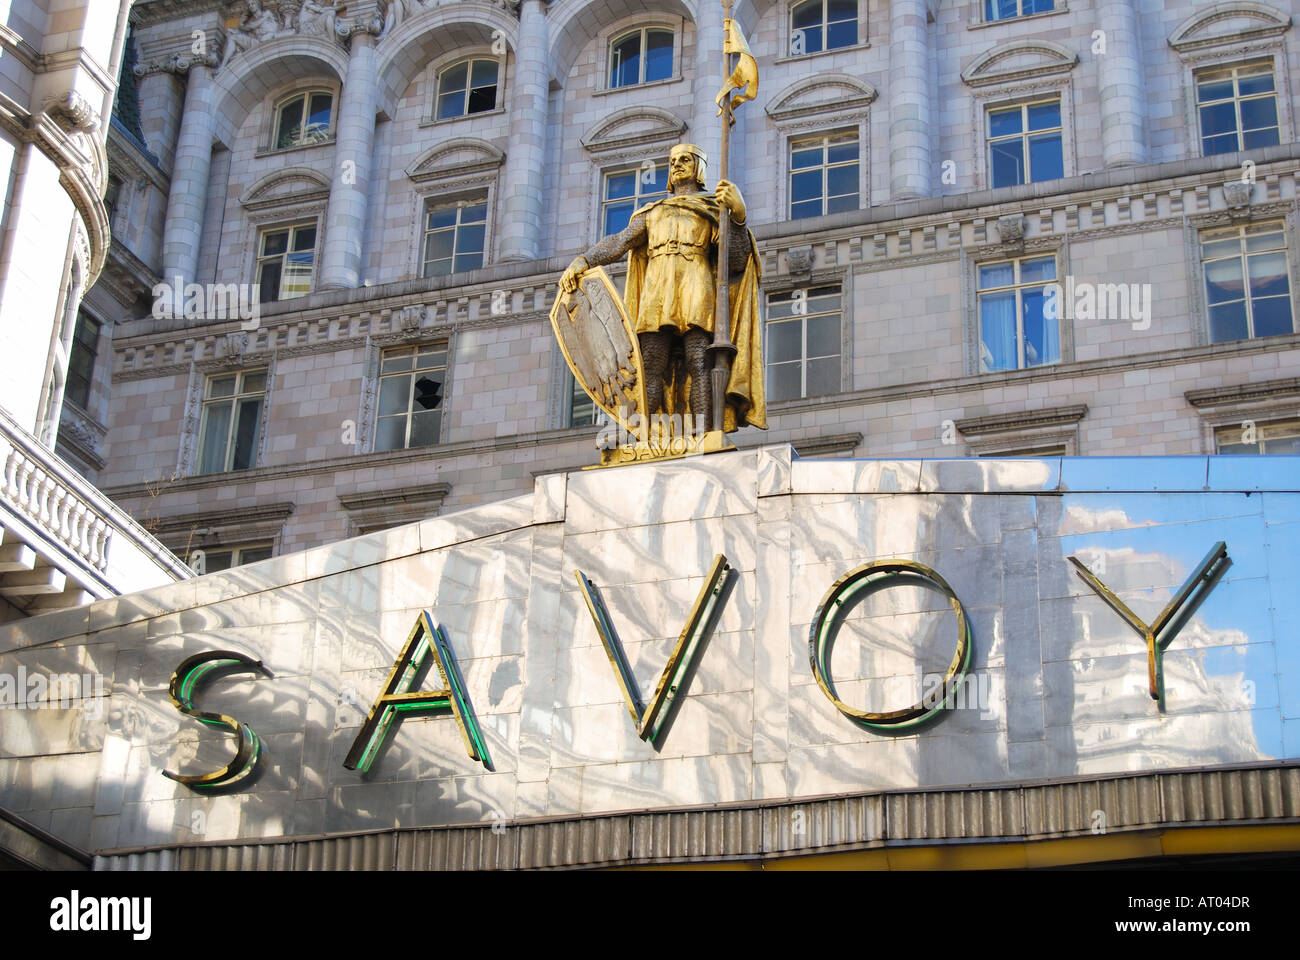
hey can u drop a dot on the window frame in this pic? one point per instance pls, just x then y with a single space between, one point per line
285 101
1288 428
235 552
433 202
825 138
786 50
1201 74
638 199
984 6
207 403
644 31
1241 231
643 20
1023 136
1017 286
437 72
260 257
845 359
91 345
388 351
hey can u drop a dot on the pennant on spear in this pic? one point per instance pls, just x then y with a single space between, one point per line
744 77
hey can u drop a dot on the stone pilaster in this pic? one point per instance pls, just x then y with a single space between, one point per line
1121 87
909 101
345 217
706 125
521 211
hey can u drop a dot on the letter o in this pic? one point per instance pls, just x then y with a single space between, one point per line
872 576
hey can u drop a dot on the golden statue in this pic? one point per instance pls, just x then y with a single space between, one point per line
685 351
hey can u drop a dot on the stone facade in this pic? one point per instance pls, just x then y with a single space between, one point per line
1132 199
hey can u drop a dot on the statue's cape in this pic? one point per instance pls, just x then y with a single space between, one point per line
746 404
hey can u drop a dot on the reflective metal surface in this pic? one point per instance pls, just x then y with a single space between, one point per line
1057 686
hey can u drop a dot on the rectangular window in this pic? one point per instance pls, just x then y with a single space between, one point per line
803 343
823 175
286 262
217 560
81 362
1247 282
232 421
1007 9
455 236
410 397
1051 450
582 412
1237 108
628 190
1014 333
1249 438
1024 143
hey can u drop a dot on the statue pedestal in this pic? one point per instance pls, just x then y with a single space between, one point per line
663 448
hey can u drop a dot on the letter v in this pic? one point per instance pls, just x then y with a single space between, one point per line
649 721
1201 581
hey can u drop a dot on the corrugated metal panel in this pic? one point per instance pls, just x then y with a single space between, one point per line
775 829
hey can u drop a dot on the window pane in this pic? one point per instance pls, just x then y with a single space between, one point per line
482 99
842 34
625 61
1214 89
453 79
841 10
618 216
1223 281
484 73
823 336
1007 163
304 238
298 272
1261 82
221 387
1228 322
841 181
823 377
1046 162
254 383
290 124
214 561
1044 116
1252 139
1268 275
1038 269
254 555
998 332
442 217
806 157
1004 122
997 275
1272 316
274 242
1226 143
439 245
840 204
424 428
216 428
659 55
470 240
390 433
619 185
807 14
1258 113
1038 6
806 208
250 415
430 357
1230 247
318 124
1220 118
451 104
784 341
394 395
842 152
1042 340
783 382
806 185
468 261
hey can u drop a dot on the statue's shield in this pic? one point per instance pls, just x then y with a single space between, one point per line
600 346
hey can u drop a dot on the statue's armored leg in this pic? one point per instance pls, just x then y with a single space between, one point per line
654 361
697 360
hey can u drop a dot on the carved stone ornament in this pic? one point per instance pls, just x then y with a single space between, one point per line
1011 228
798 261
72 111
1237 194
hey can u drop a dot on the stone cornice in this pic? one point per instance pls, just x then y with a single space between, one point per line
222 519
425 494
1022 420
1245 394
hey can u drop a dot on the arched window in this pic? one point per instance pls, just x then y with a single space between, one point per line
641 56
304 119
467 87
817 25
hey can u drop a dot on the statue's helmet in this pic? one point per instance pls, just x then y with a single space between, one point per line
700 159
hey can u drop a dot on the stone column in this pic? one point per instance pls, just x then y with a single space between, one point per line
706 125
345 217
909 101
188 193
521 211
1120 83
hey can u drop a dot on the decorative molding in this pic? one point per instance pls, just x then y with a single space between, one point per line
1049 417
1019 60
1228 24
633 127
292 185
373 510
825 446
461 158
833 94
1285 390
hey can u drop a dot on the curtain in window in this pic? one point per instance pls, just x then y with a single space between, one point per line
998 332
